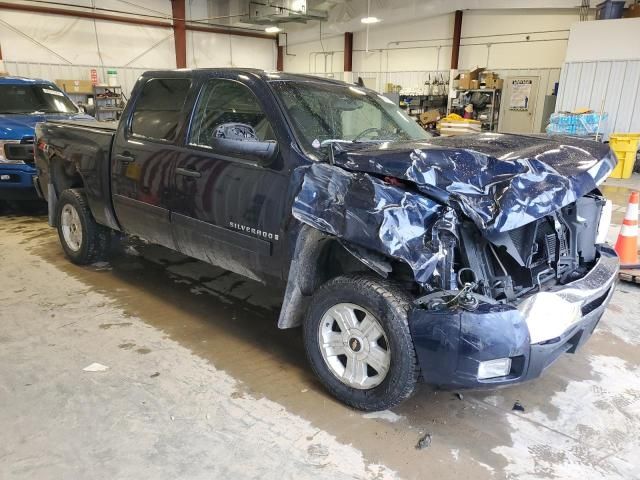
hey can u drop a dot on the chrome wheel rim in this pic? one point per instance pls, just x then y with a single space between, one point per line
354 346
71 227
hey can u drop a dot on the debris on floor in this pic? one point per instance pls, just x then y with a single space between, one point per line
95 367
101 266
459 396
518 406
424 442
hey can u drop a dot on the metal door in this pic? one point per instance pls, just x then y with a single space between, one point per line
228 210
143 160
518 108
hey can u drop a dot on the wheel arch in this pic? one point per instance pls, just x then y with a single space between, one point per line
63 175
319 257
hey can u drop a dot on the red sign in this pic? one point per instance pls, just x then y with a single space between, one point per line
94 76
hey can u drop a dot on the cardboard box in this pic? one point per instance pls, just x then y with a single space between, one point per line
465 78
430 116
499 84
633 11
80 87
491 80
475 84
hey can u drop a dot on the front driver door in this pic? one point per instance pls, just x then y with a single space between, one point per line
229 208
144 157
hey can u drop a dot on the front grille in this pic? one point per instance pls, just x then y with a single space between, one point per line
20 151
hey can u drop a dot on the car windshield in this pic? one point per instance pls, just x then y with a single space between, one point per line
323 113
41 98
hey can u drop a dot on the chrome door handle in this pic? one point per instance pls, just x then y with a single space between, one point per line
124 158
188 173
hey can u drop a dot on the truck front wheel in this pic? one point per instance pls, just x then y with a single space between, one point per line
358 341
82 239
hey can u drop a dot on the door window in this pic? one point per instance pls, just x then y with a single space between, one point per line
228 110
158 109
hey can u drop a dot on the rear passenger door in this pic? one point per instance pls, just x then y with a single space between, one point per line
229 206
143 160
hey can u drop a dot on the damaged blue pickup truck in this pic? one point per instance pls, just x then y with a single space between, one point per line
473 261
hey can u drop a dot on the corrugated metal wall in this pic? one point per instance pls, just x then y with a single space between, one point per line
127 76
587 84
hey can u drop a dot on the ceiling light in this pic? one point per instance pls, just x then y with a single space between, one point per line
370 20
273 29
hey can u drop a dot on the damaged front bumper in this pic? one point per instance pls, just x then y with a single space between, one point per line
454 345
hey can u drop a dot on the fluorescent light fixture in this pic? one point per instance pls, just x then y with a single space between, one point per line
499 367
273 29
368 20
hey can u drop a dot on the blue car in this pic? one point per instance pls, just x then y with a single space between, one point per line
23 103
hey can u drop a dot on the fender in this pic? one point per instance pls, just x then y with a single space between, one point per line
307 271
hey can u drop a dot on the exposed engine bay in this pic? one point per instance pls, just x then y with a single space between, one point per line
554 250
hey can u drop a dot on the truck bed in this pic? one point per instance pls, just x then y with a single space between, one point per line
83 147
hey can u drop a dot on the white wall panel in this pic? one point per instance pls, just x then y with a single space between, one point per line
206 50
491 38
604 40
43 38
586 84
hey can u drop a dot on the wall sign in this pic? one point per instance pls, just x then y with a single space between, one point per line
520 94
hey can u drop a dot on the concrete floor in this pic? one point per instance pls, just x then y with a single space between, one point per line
201 384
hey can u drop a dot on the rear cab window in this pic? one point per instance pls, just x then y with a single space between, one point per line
158 109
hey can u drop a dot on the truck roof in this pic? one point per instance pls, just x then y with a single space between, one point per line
265 75
11 80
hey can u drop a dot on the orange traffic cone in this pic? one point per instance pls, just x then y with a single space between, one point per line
627 244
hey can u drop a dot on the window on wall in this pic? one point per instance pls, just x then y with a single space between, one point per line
157 112
228 109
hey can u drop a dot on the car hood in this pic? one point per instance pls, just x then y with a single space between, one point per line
500 181
15 127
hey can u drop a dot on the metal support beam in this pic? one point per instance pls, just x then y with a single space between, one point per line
179 32
280 59
348 51
457 33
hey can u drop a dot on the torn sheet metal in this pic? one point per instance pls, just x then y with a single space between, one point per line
501 182
369 213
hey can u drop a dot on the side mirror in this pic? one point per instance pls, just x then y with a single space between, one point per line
261 152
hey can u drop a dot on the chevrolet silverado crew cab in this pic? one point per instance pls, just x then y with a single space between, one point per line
23 103
473 261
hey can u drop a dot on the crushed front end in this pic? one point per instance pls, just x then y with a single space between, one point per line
503 237
522 298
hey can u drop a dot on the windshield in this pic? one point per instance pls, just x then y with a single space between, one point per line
42 98
321 112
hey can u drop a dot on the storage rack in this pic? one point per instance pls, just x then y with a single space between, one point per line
492 111
108 102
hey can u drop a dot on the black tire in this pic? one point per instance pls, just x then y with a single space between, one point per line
390 305
95 242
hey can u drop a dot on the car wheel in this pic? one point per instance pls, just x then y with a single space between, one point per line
82 239
358 341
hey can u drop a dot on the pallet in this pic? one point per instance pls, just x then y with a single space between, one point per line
630 275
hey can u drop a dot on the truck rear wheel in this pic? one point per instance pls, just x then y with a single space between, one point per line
358 341
82 239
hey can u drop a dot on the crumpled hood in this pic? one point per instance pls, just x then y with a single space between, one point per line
500 181
17 126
